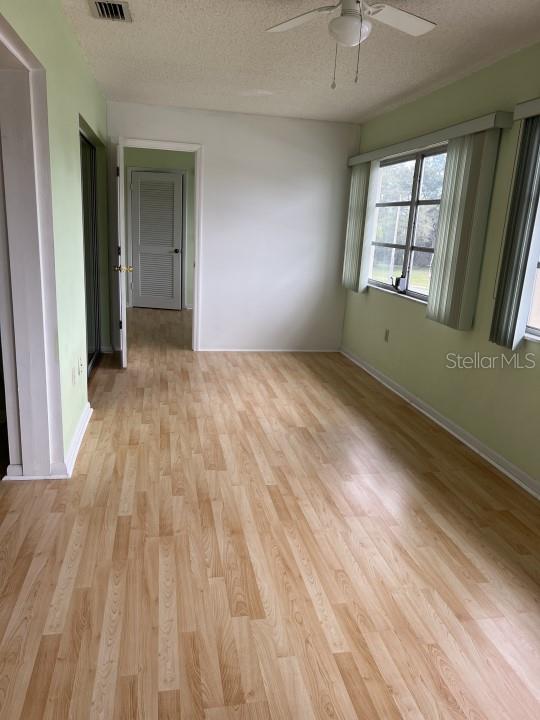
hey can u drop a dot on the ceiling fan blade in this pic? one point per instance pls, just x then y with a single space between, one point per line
303 18
401 20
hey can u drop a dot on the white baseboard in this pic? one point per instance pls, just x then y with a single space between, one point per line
13 471
268 350
107 349
59 470
77 439
17 478
520 477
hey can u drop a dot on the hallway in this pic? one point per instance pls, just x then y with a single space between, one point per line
265 535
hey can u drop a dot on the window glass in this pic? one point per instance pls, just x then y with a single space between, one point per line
432 177
427 222
392 223
397 182
534 317
420 274
387 264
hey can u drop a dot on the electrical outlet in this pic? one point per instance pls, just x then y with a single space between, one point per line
387 335
81 366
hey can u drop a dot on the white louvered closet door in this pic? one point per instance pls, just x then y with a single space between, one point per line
156 227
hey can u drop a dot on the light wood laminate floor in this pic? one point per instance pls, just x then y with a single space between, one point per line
253 536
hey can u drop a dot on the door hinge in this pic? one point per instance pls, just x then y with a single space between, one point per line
117 171
120 323
119 251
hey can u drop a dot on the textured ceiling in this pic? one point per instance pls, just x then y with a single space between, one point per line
214 54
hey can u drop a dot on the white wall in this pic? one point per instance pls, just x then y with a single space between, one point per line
274 197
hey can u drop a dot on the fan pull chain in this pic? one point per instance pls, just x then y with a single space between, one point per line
333 85
359 45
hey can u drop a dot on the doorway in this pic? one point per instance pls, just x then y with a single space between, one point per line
158 231
91 251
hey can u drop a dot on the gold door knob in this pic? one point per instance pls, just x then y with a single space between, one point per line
123 268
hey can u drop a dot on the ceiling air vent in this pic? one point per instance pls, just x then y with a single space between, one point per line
107 10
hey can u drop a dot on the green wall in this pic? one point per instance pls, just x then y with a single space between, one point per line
171 160
499 407
71 91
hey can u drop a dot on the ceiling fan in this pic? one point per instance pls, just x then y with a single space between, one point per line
353 25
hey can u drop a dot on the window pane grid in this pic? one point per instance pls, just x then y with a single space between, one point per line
439 150
407 203
423 203
388 245
398 203
421 185
418 248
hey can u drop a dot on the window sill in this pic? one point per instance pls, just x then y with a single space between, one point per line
387 291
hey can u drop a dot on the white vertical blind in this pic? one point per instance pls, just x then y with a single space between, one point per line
451 215
466 195
355 226
522 244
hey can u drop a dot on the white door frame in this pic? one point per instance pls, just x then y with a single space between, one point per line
129 229
196 148
7 339
32 335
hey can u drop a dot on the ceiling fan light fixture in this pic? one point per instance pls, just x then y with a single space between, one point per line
350 30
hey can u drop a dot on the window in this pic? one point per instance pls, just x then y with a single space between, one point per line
533 324
407 217
517 302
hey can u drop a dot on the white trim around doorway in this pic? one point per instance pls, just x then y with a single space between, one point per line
33 331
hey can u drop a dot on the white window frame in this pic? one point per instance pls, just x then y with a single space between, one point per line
414 203
532 330
527 297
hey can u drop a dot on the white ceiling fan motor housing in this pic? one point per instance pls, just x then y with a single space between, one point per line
350 29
